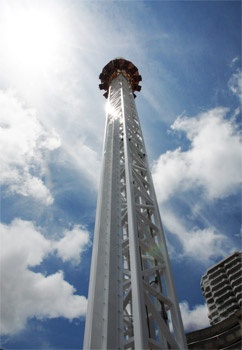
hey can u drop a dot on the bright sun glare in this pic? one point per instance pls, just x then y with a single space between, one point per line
111 110
32 38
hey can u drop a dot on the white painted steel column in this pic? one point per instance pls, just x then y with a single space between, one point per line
104 313
138 303
177 323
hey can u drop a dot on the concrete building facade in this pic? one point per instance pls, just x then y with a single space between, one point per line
222 288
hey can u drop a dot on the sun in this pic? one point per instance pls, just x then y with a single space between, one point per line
31 38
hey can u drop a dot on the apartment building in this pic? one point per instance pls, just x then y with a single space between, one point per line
222 288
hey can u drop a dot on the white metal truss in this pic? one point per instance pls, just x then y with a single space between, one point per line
131 291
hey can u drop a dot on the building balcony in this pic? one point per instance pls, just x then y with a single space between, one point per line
228 313
236 281
239 297
210 300
228 309
220 291
204 278
212 307
220 285
208 294
215 272
226 302
238 294
204 284
225 295
235 267
237 288
234 275
206 289
216 320
232 260
231 313
240 303
218 278
214 314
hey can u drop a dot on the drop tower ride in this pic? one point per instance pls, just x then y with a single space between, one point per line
131 292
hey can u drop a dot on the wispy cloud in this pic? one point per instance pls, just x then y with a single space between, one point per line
234 61
24 143
235 84
85 159
214 243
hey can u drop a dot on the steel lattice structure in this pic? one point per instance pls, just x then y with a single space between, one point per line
131 289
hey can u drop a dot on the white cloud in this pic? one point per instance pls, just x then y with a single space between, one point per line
234 60
26 294
196 318
72 244
212 163
214 244
170 173
86 160
235 84
23 141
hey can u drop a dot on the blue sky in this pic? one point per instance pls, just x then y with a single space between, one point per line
52 125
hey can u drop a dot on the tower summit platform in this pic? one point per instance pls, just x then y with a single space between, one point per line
116 67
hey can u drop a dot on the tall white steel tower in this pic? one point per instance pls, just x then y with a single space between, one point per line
131 290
